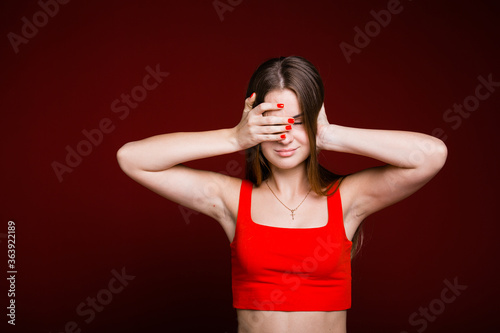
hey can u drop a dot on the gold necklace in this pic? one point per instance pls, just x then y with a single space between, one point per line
291 210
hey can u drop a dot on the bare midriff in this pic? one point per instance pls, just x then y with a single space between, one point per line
257 321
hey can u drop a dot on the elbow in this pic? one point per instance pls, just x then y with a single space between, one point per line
442 154
430 158
124 158
438 155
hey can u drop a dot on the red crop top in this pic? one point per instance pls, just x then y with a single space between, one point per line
290 269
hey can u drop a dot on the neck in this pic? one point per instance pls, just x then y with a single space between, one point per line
291 183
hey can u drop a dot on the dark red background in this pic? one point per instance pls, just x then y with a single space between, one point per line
71 234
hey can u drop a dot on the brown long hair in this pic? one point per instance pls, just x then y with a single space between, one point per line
300 76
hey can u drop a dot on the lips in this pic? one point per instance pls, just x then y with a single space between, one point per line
285 152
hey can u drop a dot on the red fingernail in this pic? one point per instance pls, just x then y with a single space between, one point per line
252 95
291 120
281 105
288 127
283 136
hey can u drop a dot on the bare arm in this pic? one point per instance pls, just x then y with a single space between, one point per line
412 160
155 162
161 152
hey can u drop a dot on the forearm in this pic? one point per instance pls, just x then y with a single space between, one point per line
161 152
399 148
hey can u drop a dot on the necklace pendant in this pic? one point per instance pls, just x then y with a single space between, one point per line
291 210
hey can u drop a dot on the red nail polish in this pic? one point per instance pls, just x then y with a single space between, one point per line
252 95
291 120
288 127
283 136
281 105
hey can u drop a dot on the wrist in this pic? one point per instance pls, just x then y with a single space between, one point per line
320 137
233 138
330 137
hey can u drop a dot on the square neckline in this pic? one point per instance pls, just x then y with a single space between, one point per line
274 227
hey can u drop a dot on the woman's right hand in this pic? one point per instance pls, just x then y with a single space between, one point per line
255 128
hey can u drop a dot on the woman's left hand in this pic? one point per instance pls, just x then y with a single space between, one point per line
322 126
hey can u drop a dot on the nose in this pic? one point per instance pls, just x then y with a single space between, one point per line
288 139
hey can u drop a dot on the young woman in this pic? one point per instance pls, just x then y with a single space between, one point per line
292 224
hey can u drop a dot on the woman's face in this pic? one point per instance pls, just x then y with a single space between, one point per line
294 149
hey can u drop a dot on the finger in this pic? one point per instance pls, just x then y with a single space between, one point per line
263 107
249 103
273 137
274 120
282 129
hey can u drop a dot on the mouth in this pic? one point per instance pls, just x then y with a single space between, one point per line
286 152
